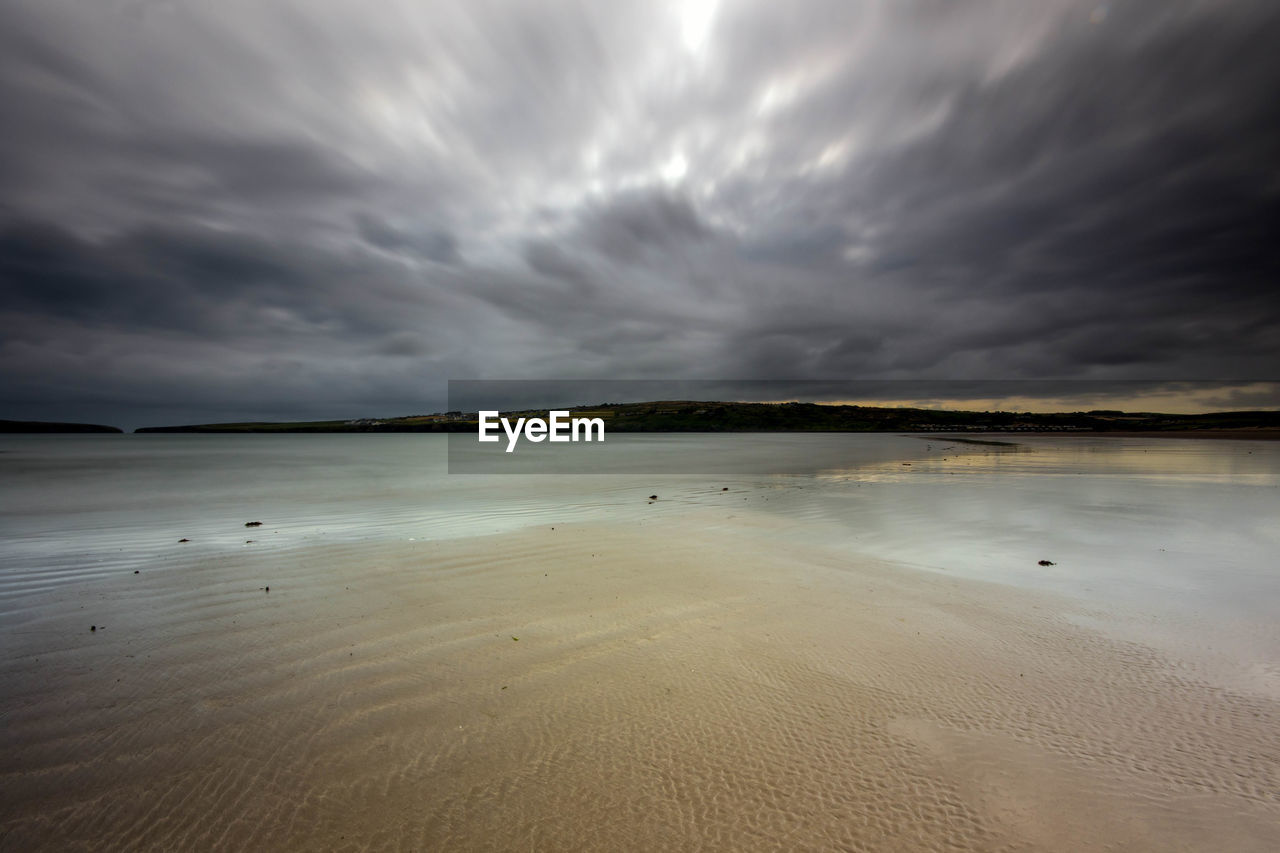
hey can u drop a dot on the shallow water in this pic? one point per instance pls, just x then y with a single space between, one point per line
79 507
1178 523
1193 524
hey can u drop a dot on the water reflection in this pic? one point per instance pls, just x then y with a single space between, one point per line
1194 524
1132 519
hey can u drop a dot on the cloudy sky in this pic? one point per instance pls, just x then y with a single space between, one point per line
319 208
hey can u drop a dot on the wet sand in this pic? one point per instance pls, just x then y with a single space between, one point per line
666 685
1253 434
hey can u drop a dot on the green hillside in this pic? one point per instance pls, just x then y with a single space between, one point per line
701 416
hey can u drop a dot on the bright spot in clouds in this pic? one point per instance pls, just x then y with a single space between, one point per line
696 17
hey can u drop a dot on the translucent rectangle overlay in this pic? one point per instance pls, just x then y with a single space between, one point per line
650 426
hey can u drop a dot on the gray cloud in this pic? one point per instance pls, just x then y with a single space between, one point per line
292 208
434 245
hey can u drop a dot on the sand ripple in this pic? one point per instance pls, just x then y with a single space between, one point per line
598 688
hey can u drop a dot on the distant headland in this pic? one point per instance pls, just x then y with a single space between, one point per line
712 416
52 426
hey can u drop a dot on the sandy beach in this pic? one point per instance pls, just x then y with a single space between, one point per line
671 684
632 427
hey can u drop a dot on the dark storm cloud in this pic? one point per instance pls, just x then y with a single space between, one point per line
211 284
632 225
551 261
438 246
289 208
1104 204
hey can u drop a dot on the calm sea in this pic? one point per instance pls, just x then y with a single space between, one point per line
1192 524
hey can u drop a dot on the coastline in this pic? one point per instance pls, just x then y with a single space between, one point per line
1218 434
